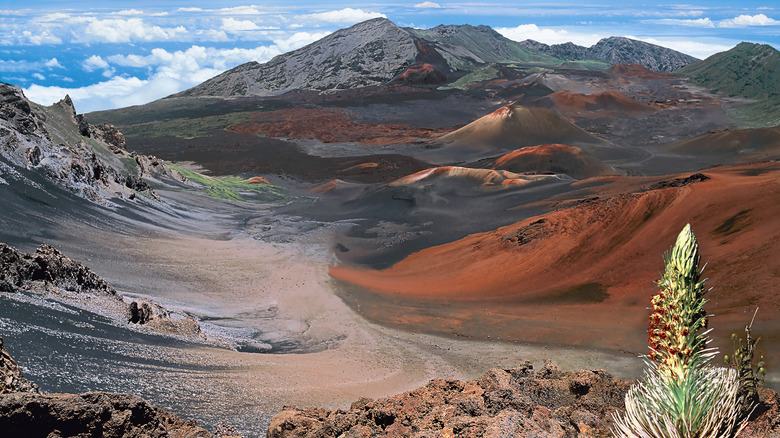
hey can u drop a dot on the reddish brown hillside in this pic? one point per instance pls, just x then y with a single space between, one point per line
329 126
511 127
558 158
744 144
486 178
584 275
638 71
615 102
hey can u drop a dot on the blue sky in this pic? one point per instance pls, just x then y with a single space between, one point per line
109 54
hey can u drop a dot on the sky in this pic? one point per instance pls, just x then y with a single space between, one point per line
108 54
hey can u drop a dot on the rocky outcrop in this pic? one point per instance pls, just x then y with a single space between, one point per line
516 402
90 414
47 268
51 273
24 411
617 50
11 378
54 141
501 403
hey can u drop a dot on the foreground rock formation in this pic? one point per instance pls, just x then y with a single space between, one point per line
519 402
24 411
88 160
50 273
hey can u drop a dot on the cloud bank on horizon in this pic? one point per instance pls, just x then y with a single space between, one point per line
116 54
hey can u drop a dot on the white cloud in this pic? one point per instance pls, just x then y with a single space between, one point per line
52 63
125 31
549 36
190 10
342 16
241 10
195 62
40 38
93 63
39 76
25 66
749 20
298 40
214 35
129 12
113 93
697 49
232 25
427 5
699 22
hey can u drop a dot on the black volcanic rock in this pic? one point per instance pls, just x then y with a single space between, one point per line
11 378
49 267
25 412
49 272
617 50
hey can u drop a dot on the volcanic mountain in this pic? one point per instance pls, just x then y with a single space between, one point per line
617 50
510 127
368 53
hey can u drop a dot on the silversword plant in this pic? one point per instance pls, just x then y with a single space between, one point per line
682 395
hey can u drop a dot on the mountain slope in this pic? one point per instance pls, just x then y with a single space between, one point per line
617 50
368 53
483 42
748 70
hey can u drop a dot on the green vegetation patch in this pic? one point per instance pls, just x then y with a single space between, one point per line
483 74
233 187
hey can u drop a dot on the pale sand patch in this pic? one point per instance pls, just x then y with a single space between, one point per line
242 278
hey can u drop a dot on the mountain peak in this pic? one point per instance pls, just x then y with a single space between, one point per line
369 53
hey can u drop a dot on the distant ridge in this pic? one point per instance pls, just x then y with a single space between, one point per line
377 52
747 70
484 43
617 50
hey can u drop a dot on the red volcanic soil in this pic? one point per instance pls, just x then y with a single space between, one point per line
513 126
614 101
638 71
744 144
584 274
484 177
330 126
558 158
421 73
257 180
